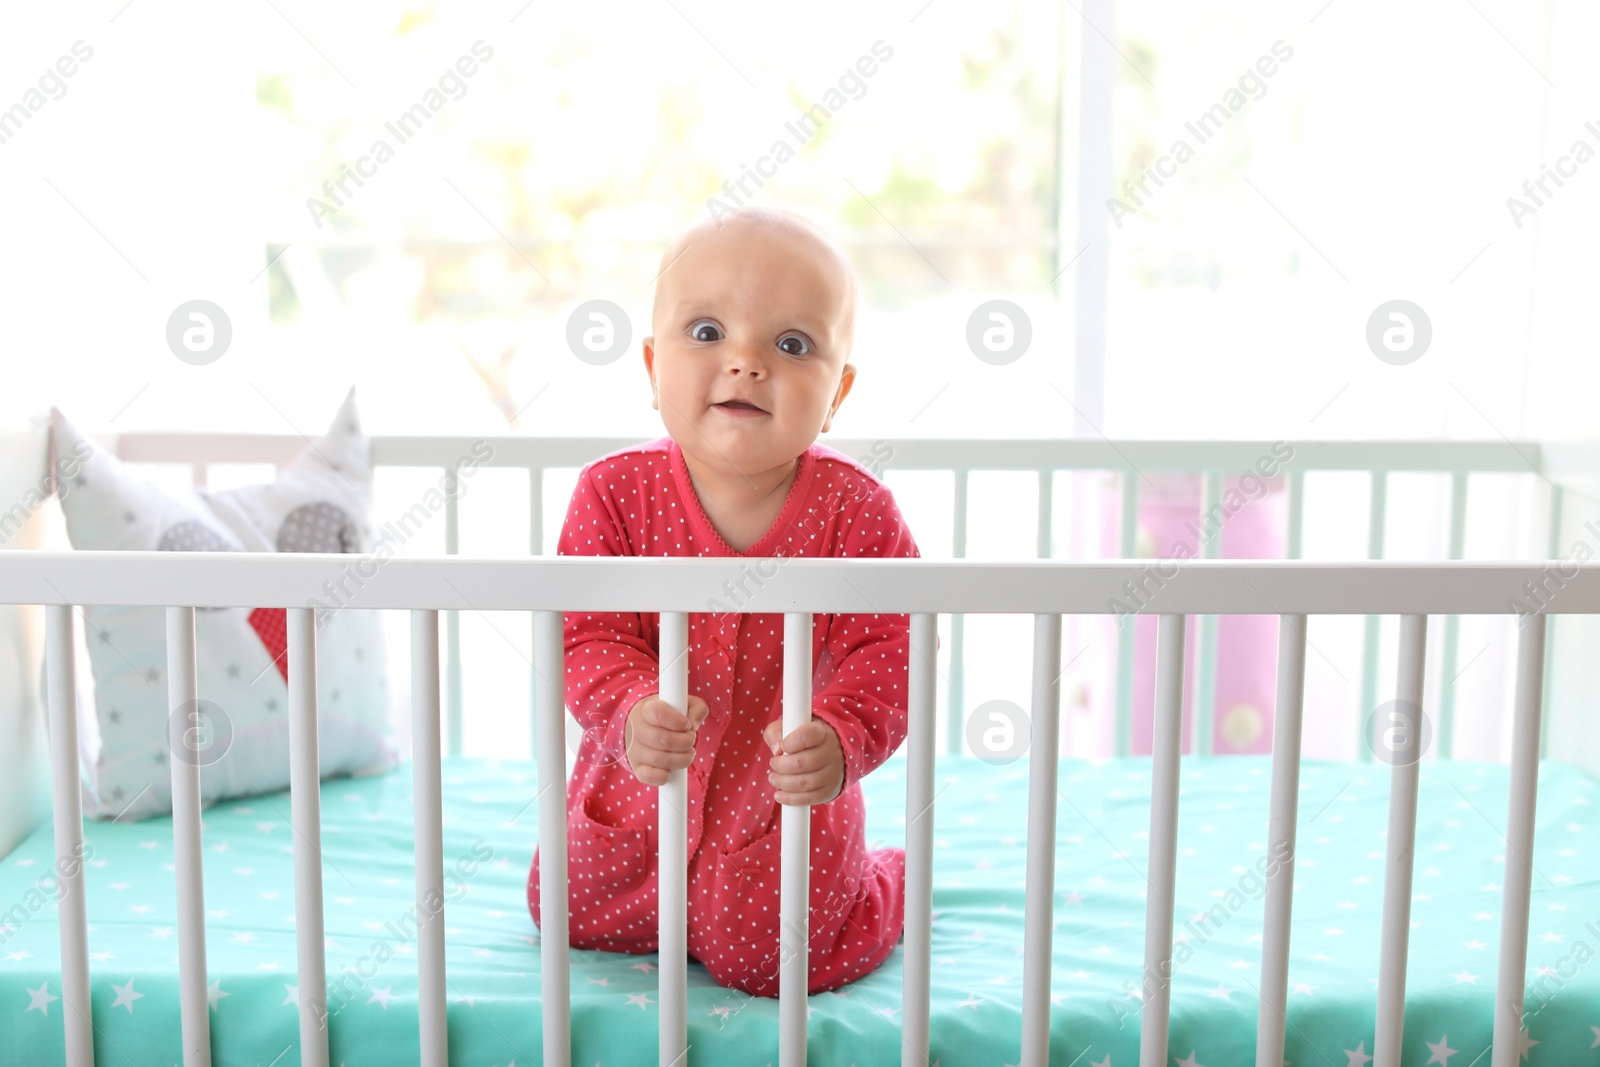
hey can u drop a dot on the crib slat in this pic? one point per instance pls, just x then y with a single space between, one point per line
1519 840
1452 623
549 662
536 511
1272 1019
794 902
1205 686
535 548
673 813
305 812
1128 626
1047 510
1557 502
921 698
1039 913
1297 514
427 812
68 816
957 685
1161 872
1399 741
1377 512
185 728
452 547
956 710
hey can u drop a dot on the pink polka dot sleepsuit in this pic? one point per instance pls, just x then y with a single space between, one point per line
640 502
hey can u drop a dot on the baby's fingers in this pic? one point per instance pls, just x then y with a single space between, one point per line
799 783
808 734
815 788
664 715
652 766
802 762
664 740
649 775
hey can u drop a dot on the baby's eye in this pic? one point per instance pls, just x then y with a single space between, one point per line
798 339
698 325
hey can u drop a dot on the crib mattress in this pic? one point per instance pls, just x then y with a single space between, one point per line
492 946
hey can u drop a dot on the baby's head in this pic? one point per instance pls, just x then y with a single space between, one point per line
758 307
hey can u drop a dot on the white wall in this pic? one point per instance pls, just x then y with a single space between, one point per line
24 760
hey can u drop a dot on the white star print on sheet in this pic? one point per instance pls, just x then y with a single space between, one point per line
40 999
125 996
1441 1052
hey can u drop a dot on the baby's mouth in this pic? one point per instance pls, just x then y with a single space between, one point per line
740 406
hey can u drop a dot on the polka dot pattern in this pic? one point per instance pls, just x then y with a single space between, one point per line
318 527
640 501
191 535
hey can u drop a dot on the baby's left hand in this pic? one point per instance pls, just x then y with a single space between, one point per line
809 767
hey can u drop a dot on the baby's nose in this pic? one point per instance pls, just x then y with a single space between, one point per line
741 359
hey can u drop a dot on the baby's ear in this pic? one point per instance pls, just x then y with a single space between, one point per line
649 351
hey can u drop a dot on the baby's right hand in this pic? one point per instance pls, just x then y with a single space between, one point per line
659 739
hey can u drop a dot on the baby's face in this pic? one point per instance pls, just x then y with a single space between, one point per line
751 312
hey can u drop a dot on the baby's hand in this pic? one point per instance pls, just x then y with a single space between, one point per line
659 739
809 767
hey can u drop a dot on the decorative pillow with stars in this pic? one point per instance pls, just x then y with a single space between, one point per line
320 502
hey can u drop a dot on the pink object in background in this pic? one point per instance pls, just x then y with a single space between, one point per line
1251 522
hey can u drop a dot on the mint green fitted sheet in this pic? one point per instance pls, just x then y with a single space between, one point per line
979 863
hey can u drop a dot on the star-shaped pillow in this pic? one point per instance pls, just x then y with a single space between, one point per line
320 502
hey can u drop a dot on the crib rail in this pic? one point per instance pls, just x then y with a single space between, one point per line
1129 461
800 587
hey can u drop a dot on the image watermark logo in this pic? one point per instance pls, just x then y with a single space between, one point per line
599 332
850 489
1251 85
199 332
998 732
396 532
1542 990
769 935
798 132
58 481
599 754
45 891
204 732
1399 332
1398 732
451 85
1553 578
1200 927
1536 192
397 934
999 332
1252 487
51 85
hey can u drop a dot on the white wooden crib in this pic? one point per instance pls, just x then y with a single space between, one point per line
545 587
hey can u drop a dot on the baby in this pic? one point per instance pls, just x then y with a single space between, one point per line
753 322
